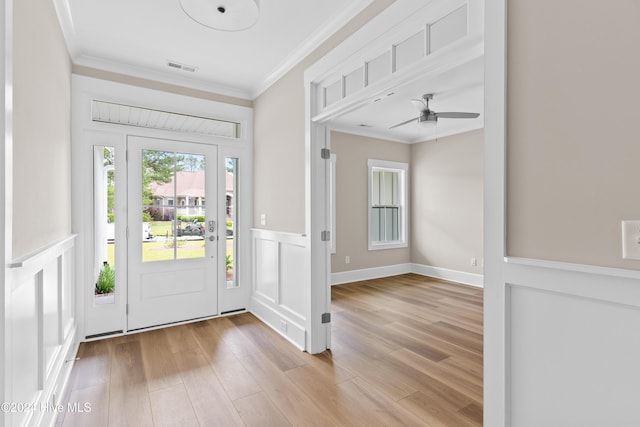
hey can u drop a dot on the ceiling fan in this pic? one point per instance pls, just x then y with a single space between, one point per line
427 115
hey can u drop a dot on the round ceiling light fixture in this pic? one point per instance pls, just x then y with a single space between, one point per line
225 15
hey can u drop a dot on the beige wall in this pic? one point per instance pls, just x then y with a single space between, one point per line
41 128
572 142
446 199
352 153
279 138
278 155
155 85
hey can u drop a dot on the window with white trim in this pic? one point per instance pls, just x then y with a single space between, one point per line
387 204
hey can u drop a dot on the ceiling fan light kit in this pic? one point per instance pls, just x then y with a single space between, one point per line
224 15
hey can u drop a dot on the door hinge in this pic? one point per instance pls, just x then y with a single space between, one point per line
325 153
126 155
326 317
127 231
127 309
325 236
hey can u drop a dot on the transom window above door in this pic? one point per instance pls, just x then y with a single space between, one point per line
109 112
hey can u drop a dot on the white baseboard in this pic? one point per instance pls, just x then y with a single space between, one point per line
451 275
369 273
292 332
394 270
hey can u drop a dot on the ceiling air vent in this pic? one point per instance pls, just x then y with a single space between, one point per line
179 66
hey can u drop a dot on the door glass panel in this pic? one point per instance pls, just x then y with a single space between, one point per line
104 192
231 196
190 191
173 210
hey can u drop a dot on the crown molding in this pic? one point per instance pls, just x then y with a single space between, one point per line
162 77
310 44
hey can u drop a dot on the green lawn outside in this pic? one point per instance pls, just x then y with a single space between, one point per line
157 251
161 228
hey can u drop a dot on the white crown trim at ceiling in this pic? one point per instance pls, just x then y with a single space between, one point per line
168 77
250 92
310 44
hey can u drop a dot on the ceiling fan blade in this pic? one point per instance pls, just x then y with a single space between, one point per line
457 115
404 123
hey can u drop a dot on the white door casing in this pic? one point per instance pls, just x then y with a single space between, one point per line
86 134
495 380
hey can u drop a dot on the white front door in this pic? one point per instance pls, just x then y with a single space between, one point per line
172 231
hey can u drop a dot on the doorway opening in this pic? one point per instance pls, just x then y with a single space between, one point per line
362 92
162 205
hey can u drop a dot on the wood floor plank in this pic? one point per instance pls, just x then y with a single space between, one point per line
270 343
159 366
473 412
430 386
374 371
325 363
433 413
181 338
97 414
229 370
339 406
210 402
129 403
363 341
453 349
406 350
93 366
457 381
422 348
386 411
296 406
464 367
171 406
231 336
257 410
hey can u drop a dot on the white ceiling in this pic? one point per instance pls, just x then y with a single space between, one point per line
139 37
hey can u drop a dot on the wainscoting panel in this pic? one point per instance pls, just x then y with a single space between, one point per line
292 259
278 299
266 268
41 332
572 344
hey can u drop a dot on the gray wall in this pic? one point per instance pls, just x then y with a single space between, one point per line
572 138
41 128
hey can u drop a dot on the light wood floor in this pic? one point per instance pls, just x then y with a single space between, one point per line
406 351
